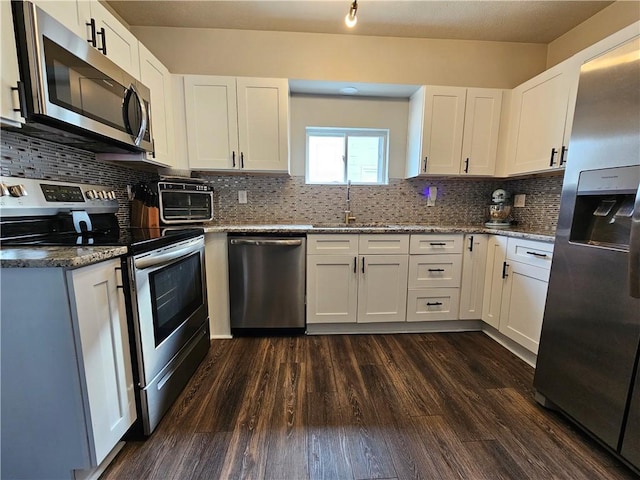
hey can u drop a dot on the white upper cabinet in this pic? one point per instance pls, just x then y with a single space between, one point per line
481 126
541 120
9 103
93 22
453 130
237 124
157 78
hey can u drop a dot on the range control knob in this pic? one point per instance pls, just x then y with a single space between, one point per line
4 190
111 195
91 194
102 195
18 190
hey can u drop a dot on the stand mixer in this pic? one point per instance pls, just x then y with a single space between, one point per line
499 210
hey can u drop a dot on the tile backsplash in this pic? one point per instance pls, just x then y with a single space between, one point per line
28 157
282 199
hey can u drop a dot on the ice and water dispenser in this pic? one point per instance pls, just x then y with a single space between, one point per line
604 206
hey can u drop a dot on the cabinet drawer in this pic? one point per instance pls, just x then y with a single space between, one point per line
384 244
432 304
529 252
434 244
429 271
332 244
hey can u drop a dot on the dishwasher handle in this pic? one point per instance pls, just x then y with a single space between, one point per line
267 242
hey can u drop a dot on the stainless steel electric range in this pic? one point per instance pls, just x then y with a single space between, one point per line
165 282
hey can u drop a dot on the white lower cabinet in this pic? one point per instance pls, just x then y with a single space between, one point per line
382 288
344 286
332 288
494 280
102 325
516 282
435 267
474 259
523 299
70 401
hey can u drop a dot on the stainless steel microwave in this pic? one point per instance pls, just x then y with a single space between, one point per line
184 201
72 93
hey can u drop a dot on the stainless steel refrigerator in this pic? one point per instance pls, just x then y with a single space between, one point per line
587 363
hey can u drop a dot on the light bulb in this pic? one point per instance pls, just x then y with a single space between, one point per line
350 20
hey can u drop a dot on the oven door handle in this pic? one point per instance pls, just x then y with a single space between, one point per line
163 258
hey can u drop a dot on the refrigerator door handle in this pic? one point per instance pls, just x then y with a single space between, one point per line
634 250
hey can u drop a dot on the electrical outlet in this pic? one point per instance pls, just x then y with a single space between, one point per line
519 200
242 196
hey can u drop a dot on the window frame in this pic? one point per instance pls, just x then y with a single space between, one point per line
346 132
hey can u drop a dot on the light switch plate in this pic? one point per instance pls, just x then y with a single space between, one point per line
242 196
519 200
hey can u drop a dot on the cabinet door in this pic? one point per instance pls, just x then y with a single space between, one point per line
481 126
332 288
117 43
541 112
494 280
158 79
73 14
10 74
263 124
104 340
212 123
523 300
443 128
474 260
382 288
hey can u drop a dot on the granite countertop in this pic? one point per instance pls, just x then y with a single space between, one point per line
68 257
378 228
74 257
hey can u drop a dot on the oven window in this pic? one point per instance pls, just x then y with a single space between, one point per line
186 205
176 293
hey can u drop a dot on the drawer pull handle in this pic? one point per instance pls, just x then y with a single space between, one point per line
437 244
433 304
436 269
536 254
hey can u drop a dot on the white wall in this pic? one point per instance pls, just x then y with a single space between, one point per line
316 111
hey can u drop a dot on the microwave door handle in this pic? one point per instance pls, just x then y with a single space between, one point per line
129 93
634 250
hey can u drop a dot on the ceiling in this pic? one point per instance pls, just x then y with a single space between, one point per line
530 21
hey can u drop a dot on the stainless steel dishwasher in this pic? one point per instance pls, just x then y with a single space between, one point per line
267 276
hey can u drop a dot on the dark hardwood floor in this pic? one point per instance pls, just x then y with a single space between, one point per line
419 406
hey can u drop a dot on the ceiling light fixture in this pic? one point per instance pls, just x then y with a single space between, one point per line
351 19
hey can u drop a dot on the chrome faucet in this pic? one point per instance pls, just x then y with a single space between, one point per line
348 218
